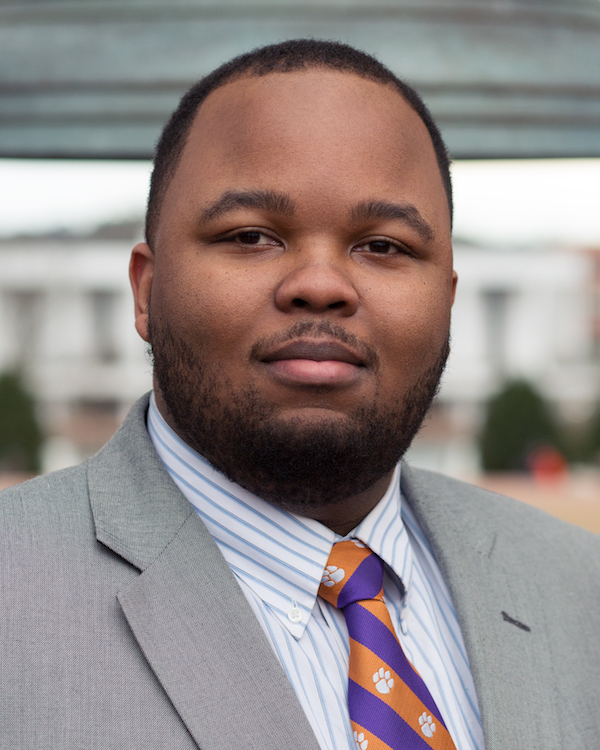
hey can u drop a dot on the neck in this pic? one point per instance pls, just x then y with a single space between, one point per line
346 514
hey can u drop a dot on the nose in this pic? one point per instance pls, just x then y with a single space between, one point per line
317 287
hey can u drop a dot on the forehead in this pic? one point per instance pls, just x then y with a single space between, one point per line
310 131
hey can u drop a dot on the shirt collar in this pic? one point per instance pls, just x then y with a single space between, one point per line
280 556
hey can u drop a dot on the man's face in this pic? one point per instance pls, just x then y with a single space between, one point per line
301 282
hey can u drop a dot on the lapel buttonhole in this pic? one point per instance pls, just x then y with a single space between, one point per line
512 621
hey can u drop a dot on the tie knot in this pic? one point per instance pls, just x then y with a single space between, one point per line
353 573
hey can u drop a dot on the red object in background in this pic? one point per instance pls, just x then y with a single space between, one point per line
547 465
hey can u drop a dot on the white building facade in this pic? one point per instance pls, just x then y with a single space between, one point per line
520 313
66 323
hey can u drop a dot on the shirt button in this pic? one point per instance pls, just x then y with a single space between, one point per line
295 614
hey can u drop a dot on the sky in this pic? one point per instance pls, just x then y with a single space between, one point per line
508 202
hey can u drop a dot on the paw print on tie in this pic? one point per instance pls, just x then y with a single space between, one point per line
383 680
427 724
361 742
332 575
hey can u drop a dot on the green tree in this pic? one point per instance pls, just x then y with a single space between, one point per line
517 422
20 435
591 450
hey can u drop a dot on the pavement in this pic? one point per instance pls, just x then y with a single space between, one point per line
574 496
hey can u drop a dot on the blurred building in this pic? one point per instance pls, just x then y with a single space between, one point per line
66 322
520 313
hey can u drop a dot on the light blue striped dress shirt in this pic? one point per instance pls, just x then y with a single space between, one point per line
278 559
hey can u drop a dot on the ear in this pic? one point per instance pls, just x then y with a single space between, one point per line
454 283
141 273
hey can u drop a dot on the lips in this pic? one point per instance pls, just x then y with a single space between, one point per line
317 351
315 363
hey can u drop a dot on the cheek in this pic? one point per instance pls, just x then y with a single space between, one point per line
213 307
413 329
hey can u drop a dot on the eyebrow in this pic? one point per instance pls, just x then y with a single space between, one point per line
266 200
406 213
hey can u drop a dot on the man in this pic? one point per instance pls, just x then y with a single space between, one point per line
295 288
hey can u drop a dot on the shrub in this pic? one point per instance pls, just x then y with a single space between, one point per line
517 424
591 451
20 435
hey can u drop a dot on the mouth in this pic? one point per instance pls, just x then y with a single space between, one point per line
306 362
316 351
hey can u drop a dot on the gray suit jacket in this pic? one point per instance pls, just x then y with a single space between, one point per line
123 627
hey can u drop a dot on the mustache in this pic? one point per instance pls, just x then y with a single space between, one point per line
318 329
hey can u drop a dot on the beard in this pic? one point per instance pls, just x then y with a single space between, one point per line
296 464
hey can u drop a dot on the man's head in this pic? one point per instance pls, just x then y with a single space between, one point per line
297 284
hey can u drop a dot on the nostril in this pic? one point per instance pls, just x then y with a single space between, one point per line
317 290
299 302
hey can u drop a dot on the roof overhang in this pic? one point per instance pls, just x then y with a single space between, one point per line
98 79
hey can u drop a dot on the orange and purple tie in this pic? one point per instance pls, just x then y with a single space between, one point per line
389 704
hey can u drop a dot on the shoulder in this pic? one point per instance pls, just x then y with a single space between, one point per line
61 500
57 499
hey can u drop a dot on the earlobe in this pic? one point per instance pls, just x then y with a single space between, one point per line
141 273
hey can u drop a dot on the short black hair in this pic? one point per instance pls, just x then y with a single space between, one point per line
292 55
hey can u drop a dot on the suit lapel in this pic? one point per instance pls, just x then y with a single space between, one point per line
204 644
186 611
495 601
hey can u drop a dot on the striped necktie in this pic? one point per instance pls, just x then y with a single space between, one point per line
389 704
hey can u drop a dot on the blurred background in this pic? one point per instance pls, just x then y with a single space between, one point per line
85 87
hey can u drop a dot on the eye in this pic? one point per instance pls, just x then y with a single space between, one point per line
250 237
382 247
